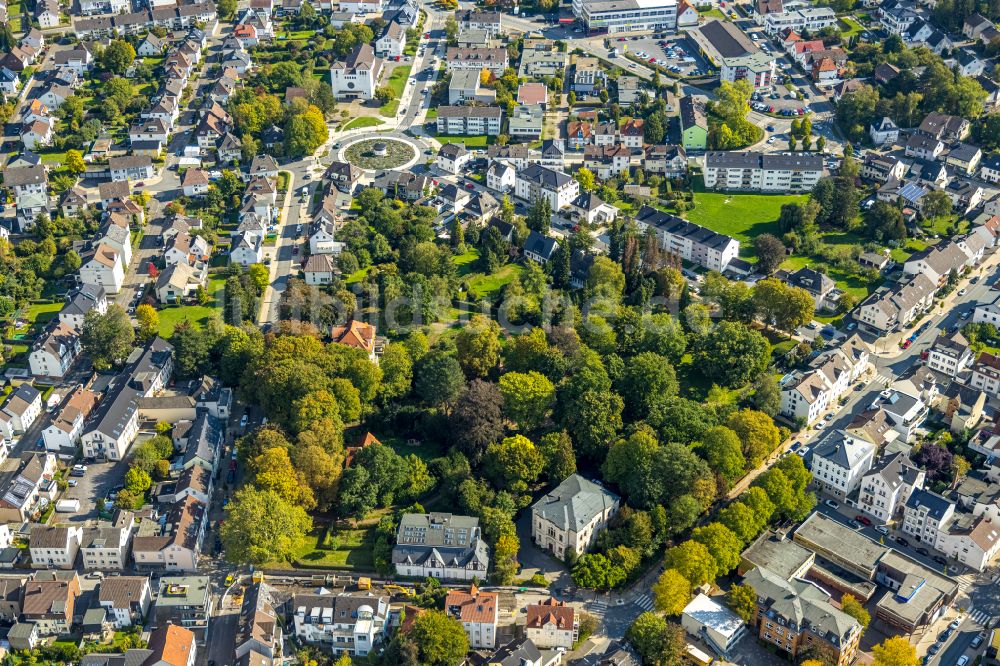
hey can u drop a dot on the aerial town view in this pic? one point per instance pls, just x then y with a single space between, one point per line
499 332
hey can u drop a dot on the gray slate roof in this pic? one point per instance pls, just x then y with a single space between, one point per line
574 502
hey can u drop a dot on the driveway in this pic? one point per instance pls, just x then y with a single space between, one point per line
534 560
100 479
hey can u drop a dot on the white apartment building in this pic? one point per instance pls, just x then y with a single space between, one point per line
807 395
106 547
571 515
442 545
986 374
347 623
689 241
101 266
886 488
536 181
924 515
53 354
812 19
63 433
54 547
731 51
469 120
126 599
762 172
478 612
840 461
628 16
950 355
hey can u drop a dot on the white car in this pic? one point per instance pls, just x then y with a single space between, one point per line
833 505
882 529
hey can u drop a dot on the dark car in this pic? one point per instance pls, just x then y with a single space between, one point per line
902 542
944 635
923 551
940 560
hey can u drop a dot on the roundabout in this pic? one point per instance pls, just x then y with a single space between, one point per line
384 152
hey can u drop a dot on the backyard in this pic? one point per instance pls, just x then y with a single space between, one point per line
196 314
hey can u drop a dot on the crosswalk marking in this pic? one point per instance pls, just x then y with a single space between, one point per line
598 608
981 618
882 379
644 602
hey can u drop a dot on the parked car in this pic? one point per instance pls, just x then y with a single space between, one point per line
243 421
923 551
956 623
863 519
882 529
977 641
902 542
832 504
940 560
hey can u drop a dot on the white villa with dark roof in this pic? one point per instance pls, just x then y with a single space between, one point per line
887 486
442 545
570 516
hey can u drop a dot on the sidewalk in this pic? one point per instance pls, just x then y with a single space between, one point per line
890 344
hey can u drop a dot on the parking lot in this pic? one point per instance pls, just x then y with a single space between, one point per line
99 480
672 52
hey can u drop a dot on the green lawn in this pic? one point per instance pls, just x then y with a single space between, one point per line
480 141
196 314
848 27
466 262
363 121
742 216
714 13
901 254
490 285
389 109
39 313
348 548
425 450
397 83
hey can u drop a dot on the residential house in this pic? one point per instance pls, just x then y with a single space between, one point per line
538 248
668 160
947 128
195 182
442 545
54 547
350 623
344 175
762 172
886 488
35 478
49 602
178 545
795 616
63 434
839 462
536 181
479 612
361 336
259 636
694 124
500 176
54 351
713 623
126 598
883 132
73 201
570 516
818 285
453 158
108 546
319 269
392 41
551 624
131 167
893 308
807 395
178 282
526 122
183 601
108 435
19 410
964 157
246 249
950 354
172 645
925 514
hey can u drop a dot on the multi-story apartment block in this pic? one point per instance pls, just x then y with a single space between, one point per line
886 488
349 623
536 181
925 514
469 120
689 241
798 617
479 612
762 172
54 547
126 599
950 354
893 308
840 461
184 601
812 19
569 517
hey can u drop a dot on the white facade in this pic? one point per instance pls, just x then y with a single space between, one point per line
839 463
886 488
537 181
762 172
347 623
639 15
51 555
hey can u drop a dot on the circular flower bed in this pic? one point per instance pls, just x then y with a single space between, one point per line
379 153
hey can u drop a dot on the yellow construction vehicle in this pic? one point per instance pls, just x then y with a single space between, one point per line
258 577
399 589
364 583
